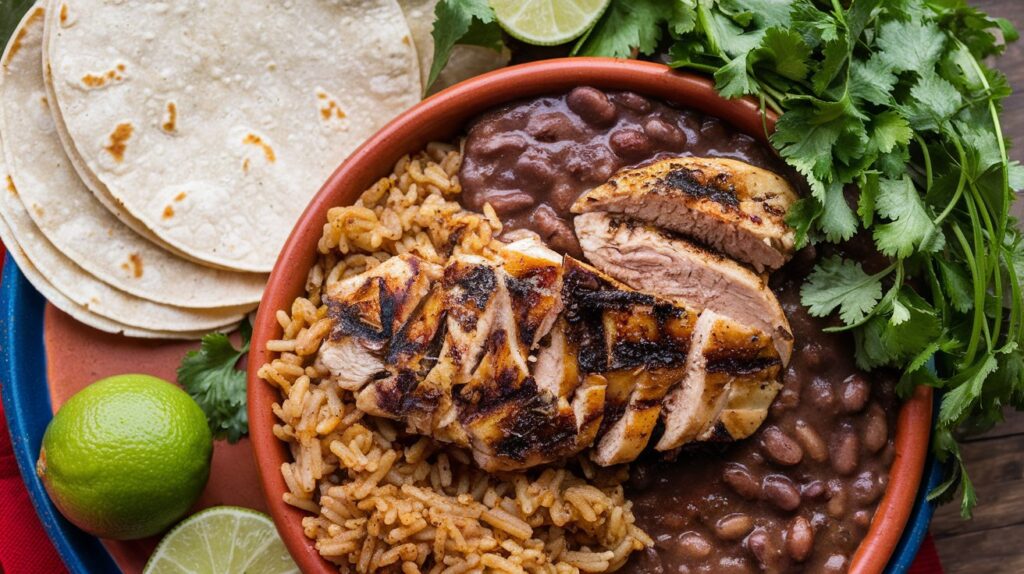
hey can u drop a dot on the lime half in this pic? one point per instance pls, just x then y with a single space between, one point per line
547 22
222 540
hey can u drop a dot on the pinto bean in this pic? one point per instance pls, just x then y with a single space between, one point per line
592 105
733 526
635 102
862 518
854 393
693 545
867 488
876 429
551 127
661 131
812 442
509 203
630 143
779 448
799 539
740 479
844 450
836 506
821 394
779 490
813 490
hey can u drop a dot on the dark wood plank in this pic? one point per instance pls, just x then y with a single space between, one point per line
1012 426
991 552
997 468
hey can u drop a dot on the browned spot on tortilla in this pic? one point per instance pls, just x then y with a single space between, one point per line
245 165
44 101
168 212
16 44
171 123
119 141
332 109
180 196
134 265
257 140
405 40
10 186
38 209
98 81
63 13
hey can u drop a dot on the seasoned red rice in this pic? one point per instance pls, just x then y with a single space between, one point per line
382 500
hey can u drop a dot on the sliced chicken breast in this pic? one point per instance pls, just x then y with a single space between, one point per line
644 342
729 205
366 312
726 360
653 261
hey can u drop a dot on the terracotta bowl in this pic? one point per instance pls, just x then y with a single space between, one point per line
442 117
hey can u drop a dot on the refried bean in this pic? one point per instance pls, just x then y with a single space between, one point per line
798 495
531 160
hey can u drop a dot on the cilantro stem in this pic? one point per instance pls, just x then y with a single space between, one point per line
998 127
927 160
979 295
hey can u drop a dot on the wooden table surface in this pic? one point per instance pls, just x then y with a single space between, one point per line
993 542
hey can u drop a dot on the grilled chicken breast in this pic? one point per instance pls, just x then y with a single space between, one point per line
729 205
529 359
637 342
367 311
653 261
731 370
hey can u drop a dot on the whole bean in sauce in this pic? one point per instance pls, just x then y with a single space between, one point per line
542 154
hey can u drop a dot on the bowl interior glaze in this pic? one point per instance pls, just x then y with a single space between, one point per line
442 117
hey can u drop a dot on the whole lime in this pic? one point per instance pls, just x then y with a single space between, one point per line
126 457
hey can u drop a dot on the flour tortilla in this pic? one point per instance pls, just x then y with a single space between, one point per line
79 313
87 293
230 113
71 217
464 62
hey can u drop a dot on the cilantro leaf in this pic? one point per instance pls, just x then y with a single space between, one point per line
209 376
910 45
843 284
872 81
455 21
911 226
629 25
933 100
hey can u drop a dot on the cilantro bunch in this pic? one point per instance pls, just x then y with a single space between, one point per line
889 110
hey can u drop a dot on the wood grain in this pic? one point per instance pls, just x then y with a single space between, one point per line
991 542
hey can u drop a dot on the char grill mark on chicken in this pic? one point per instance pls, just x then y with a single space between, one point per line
637 342
731 379
532 358
652 260
367 311
729 205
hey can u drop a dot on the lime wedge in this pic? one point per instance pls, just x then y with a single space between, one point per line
222 540
547 22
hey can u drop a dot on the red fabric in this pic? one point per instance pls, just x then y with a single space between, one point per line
25 549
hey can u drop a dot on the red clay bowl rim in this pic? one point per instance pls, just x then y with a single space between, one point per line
440 118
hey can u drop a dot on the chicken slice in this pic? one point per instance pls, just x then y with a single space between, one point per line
366 310
729 205
534 284
726 360
653 261
413 352
644 343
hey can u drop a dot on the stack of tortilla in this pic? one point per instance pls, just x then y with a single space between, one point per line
157 154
